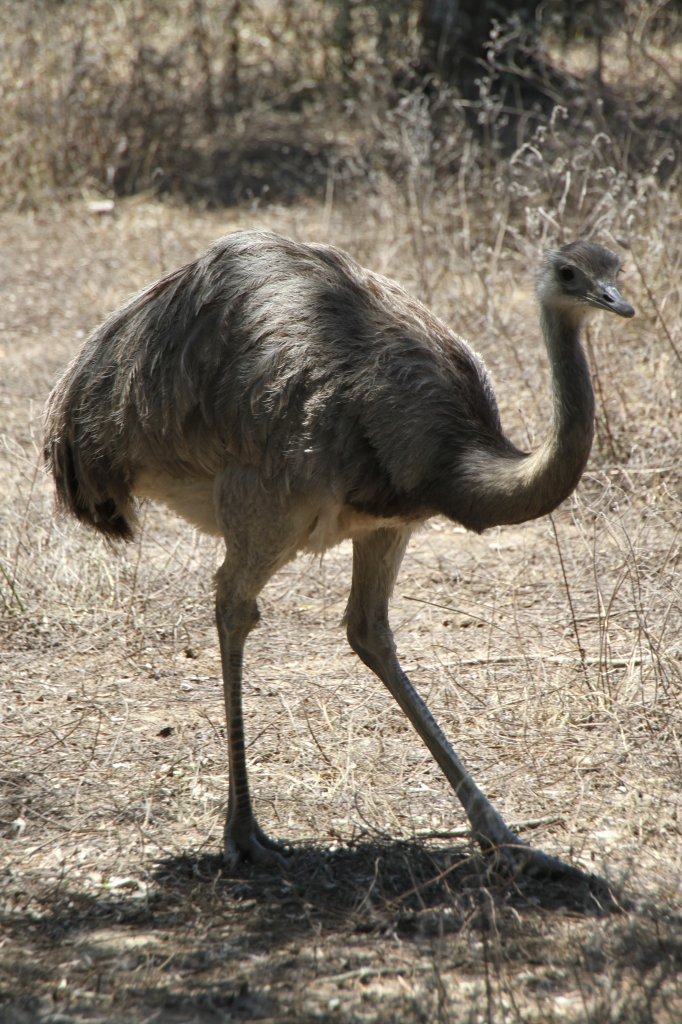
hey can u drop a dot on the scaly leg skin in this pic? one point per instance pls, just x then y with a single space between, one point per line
243 837
507 853
376 559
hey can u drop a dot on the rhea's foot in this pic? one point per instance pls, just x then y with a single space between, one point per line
518 859
510 855
245 840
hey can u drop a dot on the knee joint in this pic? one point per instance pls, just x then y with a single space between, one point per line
238 618
371 640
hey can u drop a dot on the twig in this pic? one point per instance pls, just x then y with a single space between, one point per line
378 972
557 659
465 833
657 308
569 596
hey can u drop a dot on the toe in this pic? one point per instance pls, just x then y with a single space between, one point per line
252 844
518 858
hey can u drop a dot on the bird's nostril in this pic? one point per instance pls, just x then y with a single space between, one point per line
606 297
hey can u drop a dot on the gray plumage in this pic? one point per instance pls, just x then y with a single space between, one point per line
285 397
288 357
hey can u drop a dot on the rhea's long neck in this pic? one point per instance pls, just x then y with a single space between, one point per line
509 487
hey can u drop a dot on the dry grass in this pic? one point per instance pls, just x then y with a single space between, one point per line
551 653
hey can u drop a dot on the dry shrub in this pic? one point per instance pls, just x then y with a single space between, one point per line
132 95
225 101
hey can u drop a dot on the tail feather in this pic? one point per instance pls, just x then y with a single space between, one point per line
92 421
98 498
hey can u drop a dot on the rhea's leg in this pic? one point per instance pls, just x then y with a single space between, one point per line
376 560
243 836
261 536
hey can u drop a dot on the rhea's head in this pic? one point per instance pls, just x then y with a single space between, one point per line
581 276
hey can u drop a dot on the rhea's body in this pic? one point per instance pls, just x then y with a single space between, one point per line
324 378
285 398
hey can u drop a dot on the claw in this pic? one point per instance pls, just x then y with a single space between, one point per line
252 844
512 856
521 859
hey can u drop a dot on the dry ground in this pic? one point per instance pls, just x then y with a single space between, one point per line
551 654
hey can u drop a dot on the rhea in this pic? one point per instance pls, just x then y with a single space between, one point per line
283 397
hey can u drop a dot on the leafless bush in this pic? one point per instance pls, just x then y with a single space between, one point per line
224 101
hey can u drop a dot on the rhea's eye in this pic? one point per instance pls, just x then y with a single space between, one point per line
566 275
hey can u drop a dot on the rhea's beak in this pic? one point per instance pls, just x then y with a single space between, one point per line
608 297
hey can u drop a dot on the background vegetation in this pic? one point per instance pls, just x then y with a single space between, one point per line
225 101
132 134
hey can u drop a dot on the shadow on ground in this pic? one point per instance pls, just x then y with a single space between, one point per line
387 884
277 163
202 942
